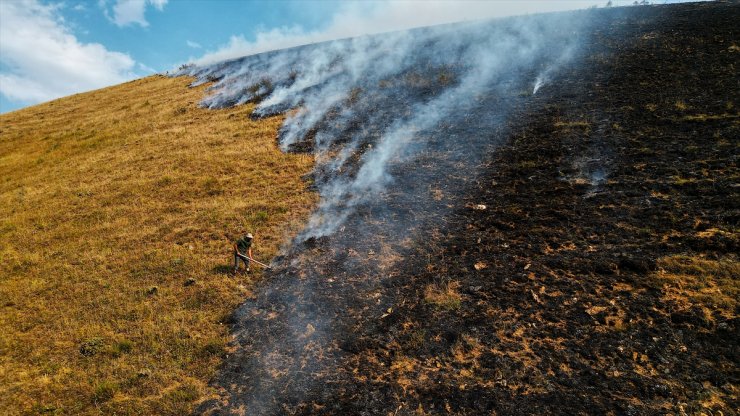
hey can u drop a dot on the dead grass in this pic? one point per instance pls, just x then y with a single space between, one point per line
572 124
709 284
444 296
681 105
701 117
111 201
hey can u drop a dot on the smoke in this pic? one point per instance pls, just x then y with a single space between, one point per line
354 19
538 83
335 85
388 117
360 18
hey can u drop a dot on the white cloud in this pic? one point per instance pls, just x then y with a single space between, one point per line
194 45
158 4
129 12
360 18
43 60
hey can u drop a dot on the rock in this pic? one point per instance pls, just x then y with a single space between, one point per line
91 347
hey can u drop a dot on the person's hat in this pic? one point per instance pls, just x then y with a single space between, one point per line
249 235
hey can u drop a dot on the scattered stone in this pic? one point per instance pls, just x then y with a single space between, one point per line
91 347
480 265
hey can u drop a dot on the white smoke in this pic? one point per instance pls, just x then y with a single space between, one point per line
455 63
538 83
364 18
369 109
359 18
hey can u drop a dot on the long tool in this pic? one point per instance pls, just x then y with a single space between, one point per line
261 264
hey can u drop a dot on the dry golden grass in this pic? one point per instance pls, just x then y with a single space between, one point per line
572 124
709 284
444 296
110 201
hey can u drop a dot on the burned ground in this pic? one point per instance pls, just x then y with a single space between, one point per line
585 263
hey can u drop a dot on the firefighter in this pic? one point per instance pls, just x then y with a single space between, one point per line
243 251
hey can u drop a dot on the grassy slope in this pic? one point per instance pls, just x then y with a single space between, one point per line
110 201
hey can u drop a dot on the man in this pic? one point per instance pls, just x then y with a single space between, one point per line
242 246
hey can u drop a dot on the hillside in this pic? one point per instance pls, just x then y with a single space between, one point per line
554 233
532 215
117 208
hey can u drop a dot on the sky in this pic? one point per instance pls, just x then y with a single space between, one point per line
54 48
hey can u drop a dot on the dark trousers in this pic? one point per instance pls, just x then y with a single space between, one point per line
241 257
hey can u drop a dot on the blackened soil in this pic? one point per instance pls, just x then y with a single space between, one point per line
537 292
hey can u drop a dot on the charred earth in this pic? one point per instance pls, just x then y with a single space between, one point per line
561 240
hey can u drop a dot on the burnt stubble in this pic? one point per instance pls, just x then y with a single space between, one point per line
529 275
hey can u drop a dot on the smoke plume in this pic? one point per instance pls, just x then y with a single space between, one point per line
332 87
388 118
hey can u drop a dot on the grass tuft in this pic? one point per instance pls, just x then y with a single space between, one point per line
104 391
444 296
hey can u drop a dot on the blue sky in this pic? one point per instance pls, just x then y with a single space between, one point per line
184 29
50 49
